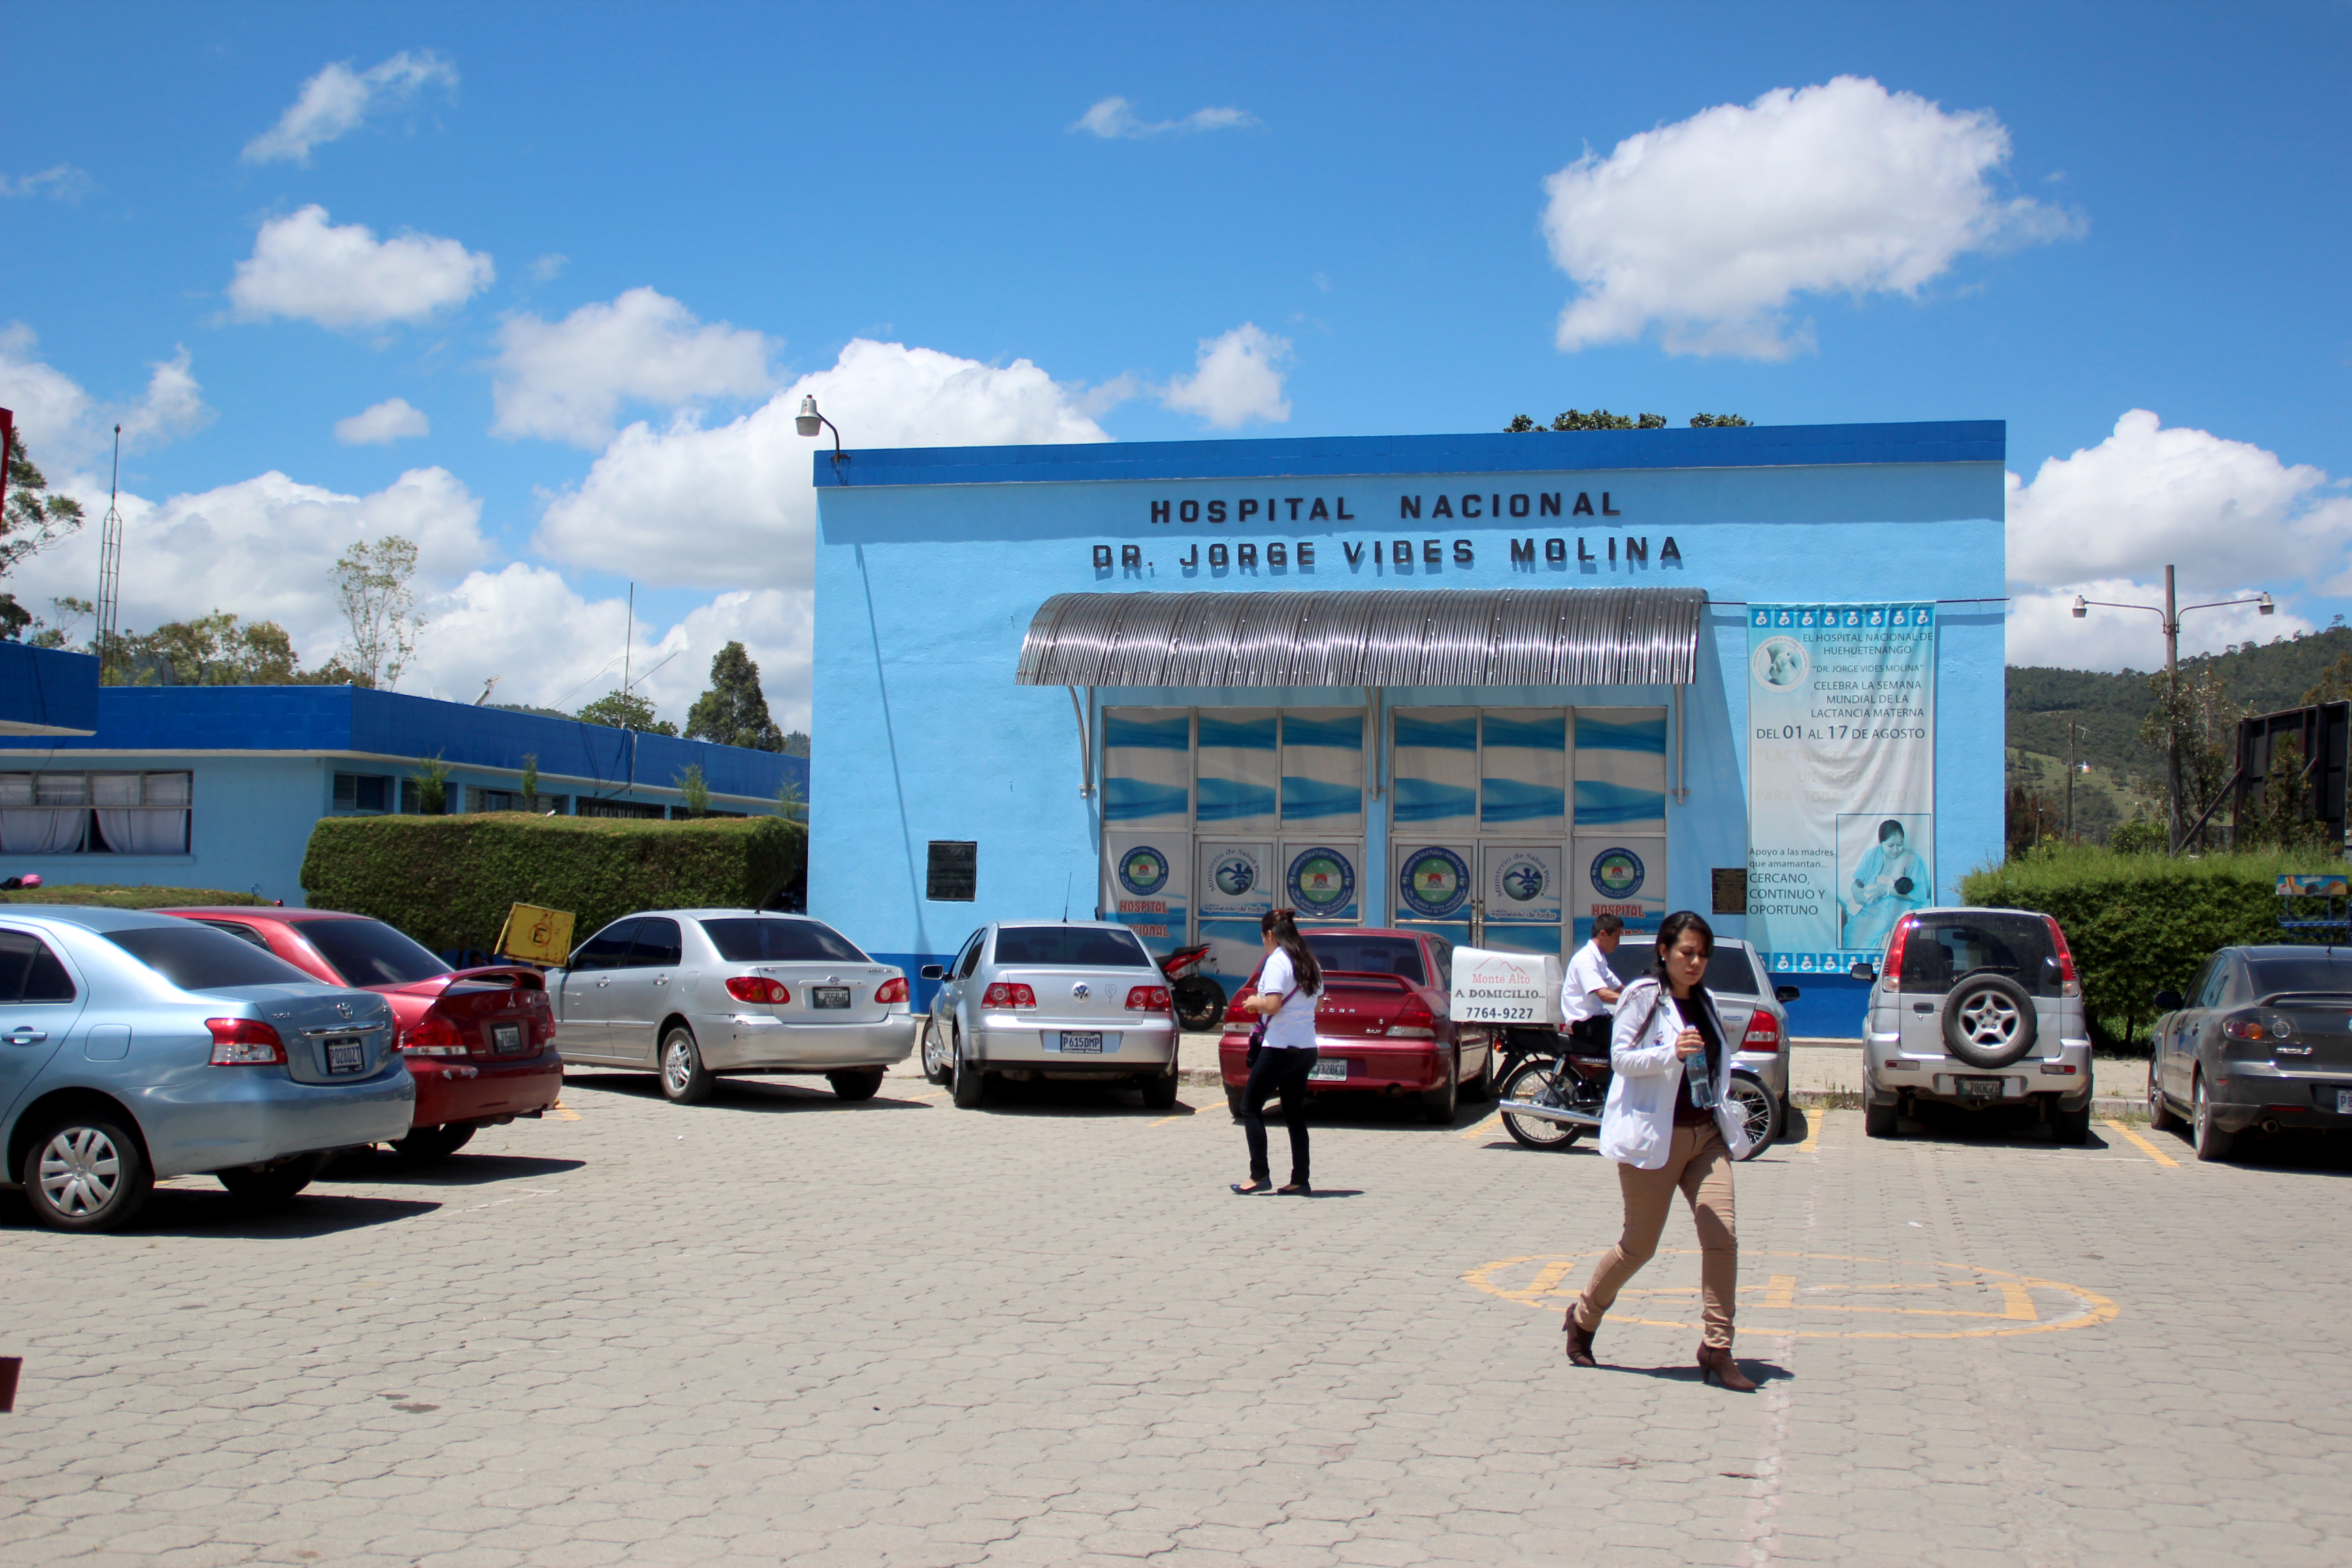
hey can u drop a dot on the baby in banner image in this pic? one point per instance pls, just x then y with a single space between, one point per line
1888 879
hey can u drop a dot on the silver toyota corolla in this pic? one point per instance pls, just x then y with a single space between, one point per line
704 993
1066 999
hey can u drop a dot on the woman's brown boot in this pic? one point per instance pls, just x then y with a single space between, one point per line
1715 1364
1579 1343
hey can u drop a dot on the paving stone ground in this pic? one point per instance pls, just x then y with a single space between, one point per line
775 1328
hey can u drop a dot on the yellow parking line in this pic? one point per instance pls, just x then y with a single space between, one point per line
1815 1119
1482 1127
932 1094
1179 1116
2142 1144
562 1112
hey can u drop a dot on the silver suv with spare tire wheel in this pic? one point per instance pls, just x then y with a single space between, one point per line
1975 1008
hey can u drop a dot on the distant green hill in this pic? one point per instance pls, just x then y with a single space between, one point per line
2263 678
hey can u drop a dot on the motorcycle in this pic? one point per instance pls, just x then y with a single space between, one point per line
1553 1087
1199 1000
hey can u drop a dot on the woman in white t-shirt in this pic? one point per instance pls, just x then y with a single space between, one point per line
1288 989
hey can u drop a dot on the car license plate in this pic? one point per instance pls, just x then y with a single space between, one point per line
828 995
345 1056
1085 1044
1979 1088
1328 1071
2344 1102
506 1038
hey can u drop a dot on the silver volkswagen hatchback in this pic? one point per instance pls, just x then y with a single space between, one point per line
698 995
1066 999
1975 1008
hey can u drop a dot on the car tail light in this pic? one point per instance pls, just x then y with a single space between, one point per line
244 1043
1148 999
2067 981
433 1035
1004 995
1237 1012
1413 1019
891 990
1763 1033
758 988
1893 978
2261 1028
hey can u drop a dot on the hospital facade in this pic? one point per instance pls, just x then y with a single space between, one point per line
1489 685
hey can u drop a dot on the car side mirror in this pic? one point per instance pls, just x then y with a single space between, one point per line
1785 993
1864 972
932 971
2167 1001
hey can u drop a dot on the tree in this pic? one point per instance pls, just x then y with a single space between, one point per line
625 711
796 744
372 584
694 791
734 712
2335 683
33 521
1601 419
2201 712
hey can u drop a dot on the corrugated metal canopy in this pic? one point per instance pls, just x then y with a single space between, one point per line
1409 637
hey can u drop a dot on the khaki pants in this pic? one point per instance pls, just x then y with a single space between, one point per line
1699 1163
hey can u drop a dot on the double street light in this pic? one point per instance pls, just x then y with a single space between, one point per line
2172 611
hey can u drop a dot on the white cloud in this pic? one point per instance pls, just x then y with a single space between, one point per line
731 506
2147 497
338 100
546 268
383 424
66 428
566 380
2043 628
263 547
1114 119
303 266
1707 228
64 183
1237 378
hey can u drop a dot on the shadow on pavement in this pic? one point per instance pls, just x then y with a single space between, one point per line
2309 1151
188 1211
752 1094
458 1170
1686 1371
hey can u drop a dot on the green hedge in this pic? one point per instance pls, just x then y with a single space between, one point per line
111 896
448 880
2139 923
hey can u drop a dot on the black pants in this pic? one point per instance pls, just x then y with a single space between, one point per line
1282 1073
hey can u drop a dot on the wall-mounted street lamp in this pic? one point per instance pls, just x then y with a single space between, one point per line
2172 611
809 422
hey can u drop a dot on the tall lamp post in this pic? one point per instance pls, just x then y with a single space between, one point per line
2073 729
2172 611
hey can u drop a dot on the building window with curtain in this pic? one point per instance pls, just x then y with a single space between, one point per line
363 792
96 814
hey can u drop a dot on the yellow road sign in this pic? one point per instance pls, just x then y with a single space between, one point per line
536 935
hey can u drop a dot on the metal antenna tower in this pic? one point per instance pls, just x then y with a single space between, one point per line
110 560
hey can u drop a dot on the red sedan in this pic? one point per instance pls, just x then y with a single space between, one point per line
1382 1023
480 1043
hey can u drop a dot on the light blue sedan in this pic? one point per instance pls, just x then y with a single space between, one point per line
136 1046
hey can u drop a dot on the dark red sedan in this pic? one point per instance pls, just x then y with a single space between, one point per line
480 1043
1382 1023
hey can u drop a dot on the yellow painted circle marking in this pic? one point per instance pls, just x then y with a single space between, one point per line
1944 1301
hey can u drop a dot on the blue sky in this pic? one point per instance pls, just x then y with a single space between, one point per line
1309 219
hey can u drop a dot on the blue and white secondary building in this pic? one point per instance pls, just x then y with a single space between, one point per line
1492 685
218 786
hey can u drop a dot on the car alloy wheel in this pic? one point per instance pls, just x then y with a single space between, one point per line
682 1078
2213 1143
938 1066
81 1171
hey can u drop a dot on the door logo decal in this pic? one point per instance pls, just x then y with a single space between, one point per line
1522 878
1617 873
1143 870
1321 881
1435 882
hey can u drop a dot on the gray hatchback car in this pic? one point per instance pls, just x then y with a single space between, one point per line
1975 1008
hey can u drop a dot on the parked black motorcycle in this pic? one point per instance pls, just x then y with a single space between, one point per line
1553 1087
1199 1000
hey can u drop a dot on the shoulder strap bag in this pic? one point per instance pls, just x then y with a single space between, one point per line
1257 1030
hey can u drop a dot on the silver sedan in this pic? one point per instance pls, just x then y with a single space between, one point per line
1066 999
698 995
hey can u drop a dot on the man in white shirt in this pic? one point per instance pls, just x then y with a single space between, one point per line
1592 987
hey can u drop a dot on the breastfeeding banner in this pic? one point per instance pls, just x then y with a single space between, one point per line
1842 778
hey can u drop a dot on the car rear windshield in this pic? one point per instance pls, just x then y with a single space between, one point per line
369 952
1070 947
2323 971
1943 950
758 939
1344 952
196 958
1730 970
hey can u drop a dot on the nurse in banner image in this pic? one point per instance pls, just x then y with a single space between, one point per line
1892 880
